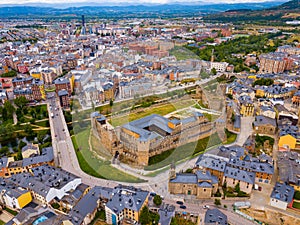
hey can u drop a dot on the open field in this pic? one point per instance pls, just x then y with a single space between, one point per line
182 53
90 164
160 109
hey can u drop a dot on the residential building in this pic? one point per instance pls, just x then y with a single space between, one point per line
63 84
14 197
267 111
289 169
166 213
246 106
64 98
215 216
234 176
30 150
46 182
201 184
282 196
126 204
264 125
275 62
288 136
296 99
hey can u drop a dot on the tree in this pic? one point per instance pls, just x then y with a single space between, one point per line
237 188
9 109
18 156
145 216
21 145
157 200
4 150
214 71
232 118
297 195
21 102
111 103
217 202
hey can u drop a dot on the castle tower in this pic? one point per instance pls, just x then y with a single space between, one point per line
172 173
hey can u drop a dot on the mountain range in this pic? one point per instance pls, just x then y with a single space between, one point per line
273 15
177 9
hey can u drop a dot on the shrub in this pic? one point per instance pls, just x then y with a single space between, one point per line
157 200
55 205
217 202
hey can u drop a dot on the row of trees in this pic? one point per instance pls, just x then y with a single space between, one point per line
11 73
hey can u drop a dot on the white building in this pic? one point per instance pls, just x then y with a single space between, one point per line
219 66
282 196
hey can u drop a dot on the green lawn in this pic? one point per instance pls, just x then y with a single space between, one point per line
182 53
162 109
182 152
210 117
296 205
44 123
11 211
2 222
100 215
94 166
231 137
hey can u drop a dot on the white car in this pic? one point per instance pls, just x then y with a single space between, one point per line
206 207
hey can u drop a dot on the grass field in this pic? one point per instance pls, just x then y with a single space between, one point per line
44 123
296 205
2 222
94 166
182 53
161 109
182 152
231 137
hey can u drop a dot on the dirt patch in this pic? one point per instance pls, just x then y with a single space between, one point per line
271 217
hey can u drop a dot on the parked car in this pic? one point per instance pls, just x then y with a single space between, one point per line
206 207
179 202
152 194
182 207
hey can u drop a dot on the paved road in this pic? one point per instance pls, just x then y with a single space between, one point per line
197 209
5 216
157 92
246 131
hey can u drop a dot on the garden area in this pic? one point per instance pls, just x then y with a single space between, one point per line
21 124
233 192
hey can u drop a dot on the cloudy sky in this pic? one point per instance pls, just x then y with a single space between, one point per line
124 1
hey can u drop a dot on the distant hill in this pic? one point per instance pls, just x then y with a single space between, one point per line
128 11
273 15
290 5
